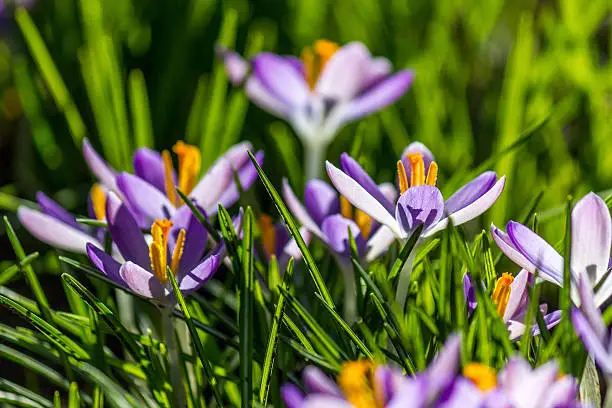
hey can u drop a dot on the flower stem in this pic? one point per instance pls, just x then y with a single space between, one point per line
350 300
404 281
178 392
314 154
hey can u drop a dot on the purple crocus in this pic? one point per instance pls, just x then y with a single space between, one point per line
419 202
362 384
590 248
511 298
321 92
591 328
178 243
151 191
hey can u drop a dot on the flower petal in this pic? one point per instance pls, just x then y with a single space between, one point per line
504 243
317 382
99 167
360 198
280 78
327 401
247 174
589 307
292 396
444 367
53 209
194 279
357 173
236 67
537 251
377 70
142 282
54 232
196 237
335 229
419 205
379 243
144 198
420 148
149 166
299 211
592 341
343 74
469 293
105 263
213 185
470 192
561 393
266 100
379 96
389 191
517 301
320 200
591 237
125 232
473 210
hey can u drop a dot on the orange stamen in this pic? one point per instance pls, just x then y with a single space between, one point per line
158 250
401 177
314 60
178 251
357 382
417 167
168 180
268 234
98 201
346 209
364 222
432 174
501 293
190 162
481 375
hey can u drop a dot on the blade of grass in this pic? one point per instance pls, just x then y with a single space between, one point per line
245 317
141 112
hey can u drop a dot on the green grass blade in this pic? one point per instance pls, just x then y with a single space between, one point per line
405 252
245 317
141 112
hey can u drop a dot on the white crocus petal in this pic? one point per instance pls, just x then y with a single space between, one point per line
299 211
379 243
361 199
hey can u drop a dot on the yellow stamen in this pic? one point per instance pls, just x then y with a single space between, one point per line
98 201
481 375
501 293
158 250
168 180
401 176
356 380
268 234
178 251
417 168
314 60
190 162
364 222
432 174
345 208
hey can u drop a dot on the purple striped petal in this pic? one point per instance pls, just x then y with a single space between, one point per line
505 244
517 301
236 67
591 237
592 342
360 198
292 396
99 167
537 251
149 166
144 198
320 200
54 232
195 237
335 229
142 282
262 97
419 205
420 148
374 72
125 232
299 211
247 174
105 263
53 209
589 308
473 210
444 367
389 191
562 393
215 183
357 173
342 75
238 155
469 293
469 193
317 382
194 279
281 80
379 96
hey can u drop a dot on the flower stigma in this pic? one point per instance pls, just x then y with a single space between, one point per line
501 293
158 250
481 375
357 382
417 173
315 58
98 202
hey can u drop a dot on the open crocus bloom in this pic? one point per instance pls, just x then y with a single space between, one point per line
178 244
362 384
330 217
590 248
329 87
419 202
591 328
511 298
151 190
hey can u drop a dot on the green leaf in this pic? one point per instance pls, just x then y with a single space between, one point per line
74 399
410 245
141 112
200 217
17 389
295 234
8 274
245 317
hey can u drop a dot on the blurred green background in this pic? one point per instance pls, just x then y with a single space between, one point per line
129 73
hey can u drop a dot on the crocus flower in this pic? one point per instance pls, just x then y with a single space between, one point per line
511 298
151 190
329 87
276 241
178 244
591 328
362 384
590 248
419 202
